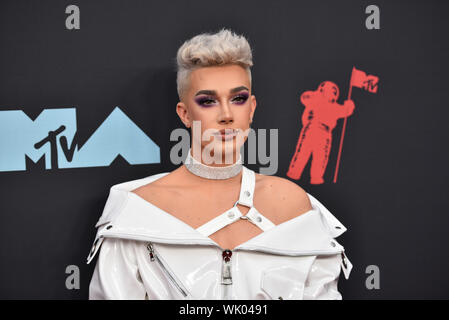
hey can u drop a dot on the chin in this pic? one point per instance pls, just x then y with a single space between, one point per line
219 149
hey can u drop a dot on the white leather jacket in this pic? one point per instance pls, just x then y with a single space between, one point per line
146 253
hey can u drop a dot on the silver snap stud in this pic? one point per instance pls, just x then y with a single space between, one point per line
231 214
258 219
333 244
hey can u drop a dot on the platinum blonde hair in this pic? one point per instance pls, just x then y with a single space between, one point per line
206 49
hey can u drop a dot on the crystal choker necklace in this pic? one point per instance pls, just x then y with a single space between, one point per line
209 172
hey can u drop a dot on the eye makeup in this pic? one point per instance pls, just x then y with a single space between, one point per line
205 101
209 101
241 98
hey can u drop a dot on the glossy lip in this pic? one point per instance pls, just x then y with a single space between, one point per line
226 136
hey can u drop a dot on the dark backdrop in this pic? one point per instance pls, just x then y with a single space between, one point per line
392 188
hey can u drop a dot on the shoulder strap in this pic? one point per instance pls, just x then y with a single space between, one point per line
247 187
229 216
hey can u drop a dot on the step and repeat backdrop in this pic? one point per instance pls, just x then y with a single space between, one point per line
88 97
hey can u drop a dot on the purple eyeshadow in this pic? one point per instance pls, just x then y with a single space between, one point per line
205 101
209 101
242 96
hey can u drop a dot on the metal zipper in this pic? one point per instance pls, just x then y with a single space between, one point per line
154 256
287 253
226 275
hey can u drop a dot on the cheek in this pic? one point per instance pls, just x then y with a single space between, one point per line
202 120
206 117
242 114
200 114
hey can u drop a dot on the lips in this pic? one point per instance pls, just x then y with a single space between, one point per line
227 131
226 134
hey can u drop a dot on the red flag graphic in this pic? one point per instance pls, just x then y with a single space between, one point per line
358 79
361 80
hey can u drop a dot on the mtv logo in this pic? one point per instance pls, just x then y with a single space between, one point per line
53 135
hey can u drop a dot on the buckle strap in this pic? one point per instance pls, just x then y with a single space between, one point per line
254 216
232 215
229 216
247 187
220 221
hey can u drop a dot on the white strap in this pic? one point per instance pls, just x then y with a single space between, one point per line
259 220
229 216
219 222
247 187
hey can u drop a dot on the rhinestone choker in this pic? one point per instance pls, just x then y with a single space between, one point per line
209 172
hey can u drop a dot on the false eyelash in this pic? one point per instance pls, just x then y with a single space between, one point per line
243 96
202 101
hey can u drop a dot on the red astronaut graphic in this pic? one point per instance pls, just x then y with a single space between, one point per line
319 119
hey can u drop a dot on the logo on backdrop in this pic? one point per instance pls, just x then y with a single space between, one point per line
319 119
53 135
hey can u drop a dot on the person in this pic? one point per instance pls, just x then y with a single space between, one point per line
213 228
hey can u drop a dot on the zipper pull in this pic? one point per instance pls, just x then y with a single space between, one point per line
151 250
226 277
345 264
343 259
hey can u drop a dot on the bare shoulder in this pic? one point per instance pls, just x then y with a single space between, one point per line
282 196
157 188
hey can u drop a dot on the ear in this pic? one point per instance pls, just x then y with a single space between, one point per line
253 107
183 113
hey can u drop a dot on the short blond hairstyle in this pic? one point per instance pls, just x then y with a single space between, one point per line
206 49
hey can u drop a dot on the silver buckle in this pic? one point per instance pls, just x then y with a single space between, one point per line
243 217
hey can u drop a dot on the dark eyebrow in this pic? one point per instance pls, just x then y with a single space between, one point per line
213 92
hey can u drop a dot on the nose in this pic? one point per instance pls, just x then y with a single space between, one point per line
225 116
